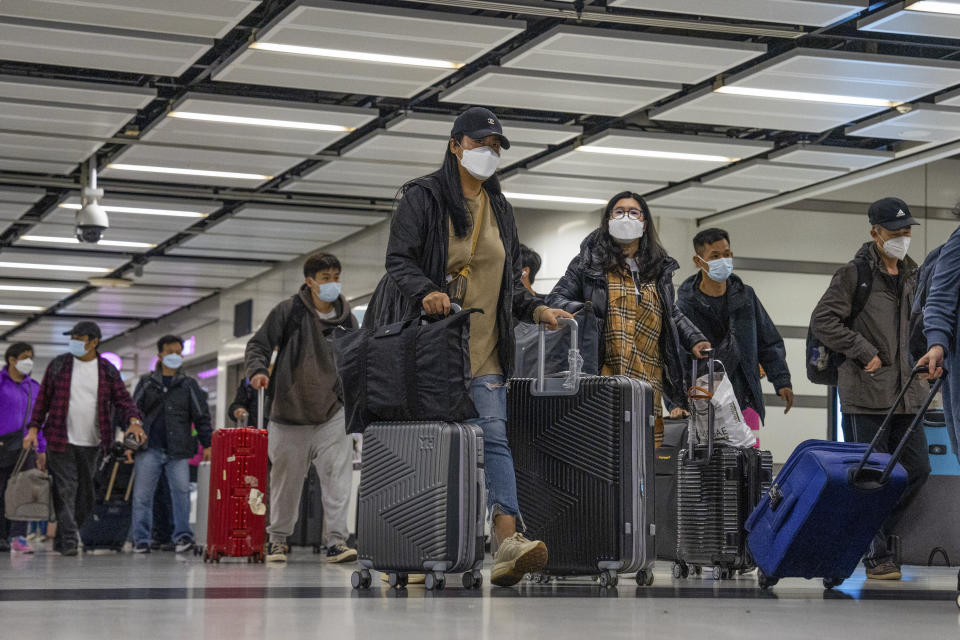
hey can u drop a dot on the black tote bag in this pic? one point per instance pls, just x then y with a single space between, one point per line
410 371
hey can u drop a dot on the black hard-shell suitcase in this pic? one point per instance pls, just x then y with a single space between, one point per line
108 524
308 532
422 503
583 451
665 487
717 489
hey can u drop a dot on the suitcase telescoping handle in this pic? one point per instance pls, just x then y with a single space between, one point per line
917 419
568 386
697 393
261 400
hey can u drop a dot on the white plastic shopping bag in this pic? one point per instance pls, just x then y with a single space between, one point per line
729 426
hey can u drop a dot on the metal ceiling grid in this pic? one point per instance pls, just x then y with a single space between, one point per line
808 12
344 28
772 176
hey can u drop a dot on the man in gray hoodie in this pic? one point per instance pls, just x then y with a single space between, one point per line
306 417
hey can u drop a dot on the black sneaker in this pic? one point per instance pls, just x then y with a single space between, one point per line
69 550
276 552
141 547
340 553
184 544
4 545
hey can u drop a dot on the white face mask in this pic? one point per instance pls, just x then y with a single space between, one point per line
897 247
481 162
626 229
24 366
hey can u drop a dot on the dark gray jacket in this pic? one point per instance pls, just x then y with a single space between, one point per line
417 264
881 329
753 339
305 383
586 280
183 405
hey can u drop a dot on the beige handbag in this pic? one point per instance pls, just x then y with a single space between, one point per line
29 494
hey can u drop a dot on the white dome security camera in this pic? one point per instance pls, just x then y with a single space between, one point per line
91 220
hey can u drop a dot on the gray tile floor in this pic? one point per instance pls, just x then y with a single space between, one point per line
166 596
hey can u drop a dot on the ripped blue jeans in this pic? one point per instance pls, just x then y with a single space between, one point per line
489 395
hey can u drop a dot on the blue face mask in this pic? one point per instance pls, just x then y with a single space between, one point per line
77 348
720 269
173 361
329 291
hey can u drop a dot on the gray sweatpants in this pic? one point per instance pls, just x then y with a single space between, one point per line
292 448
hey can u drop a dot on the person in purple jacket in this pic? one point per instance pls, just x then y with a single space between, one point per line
18 394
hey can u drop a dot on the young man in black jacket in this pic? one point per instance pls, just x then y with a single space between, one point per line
172 404
730 315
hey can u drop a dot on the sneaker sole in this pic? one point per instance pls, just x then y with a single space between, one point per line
346 556
279 559
509 574
886 576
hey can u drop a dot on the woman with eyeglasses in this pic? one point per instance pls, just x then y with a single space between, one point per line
628 276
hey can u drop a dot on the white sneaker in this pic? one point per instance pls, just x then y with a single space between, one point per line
515 557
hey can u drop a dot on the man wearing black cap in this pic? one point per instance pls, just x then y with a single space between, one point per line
864 315
77 399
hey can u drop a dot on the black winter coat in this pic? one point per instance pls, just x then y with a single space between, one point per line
417 264
183 405
755 339
586 279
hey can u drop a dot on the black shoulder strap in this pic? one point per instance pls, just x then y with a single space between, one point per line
864 287
292 326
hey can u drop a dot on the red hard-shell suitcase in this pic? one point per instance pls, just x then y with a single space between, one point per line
236 520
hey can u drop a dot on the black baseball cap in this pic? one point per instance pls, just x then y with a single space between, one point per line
85 328
478 123
891 214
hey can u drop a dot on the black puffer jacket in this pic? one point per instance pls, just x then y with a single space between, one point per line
417 264
586 280
183 406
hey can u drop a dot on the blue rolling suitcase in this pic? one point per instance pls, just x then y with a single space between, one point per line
829 500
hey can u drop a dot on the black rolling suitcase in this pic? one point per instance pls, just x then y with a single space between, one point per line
717 489
665 487
583 451
422 503
109 522
308 532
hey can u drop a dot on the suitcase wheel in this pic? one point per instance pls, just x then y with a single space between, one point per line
680 570
608 579
644 578
361 579
435 581
398 580
958 600
830 583
765 581
720 573
472 580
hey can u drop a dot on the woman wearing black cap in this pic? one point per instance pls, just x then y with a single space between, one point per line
454 226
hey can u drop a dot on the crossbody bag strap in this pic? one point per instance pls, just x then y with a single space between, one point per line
477 229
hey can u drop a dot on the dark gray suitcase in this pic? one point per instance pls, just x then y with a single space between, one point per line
583 452
308 532
422 503
665 487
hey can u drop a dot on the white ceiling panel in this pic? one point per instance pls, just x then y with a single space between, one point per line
534 190
254 164
949 99
36 166
660 211
50 330
377 174
88 94
403 147
15 202
202 18
182 272
772 176
711 153
255 253
634 56
269 230
812 12
80 46
46 149
142 302
826 156
372 29
356 218
840 74
150 220
340 189
239 244
294 138
902 18
66 229
557 92
54 118
924 122
708 198
66 265
517 131
11 291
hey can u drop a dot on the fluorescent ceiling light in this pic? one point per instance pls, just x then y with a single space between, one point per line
933 6
258 122
546 198
648 153
31 289
143 211
803 96
20 307
8 323
358 56
52 267
188 172
105 243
